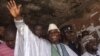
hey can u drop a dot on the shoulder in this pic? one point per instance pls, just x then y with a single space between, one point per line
42 40
98 52
85 54
70 51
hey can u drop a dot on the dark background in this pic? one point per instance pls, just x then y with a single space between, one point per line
49 11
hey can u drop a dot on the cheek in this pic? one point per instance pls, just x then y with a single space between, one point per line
69 34
93 46
54 36
10 43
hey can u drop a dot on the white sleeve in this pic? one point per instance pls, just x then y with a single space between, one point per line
27 44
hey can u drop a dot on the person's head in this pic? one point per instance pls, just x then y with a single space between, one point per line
84 33
39 30
2 30
53 33
10 36
69 32
90 44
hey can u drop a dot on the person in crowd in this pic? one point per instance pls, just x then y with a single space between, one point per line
70 39
27 43
85 33
2 30
90 44
57 48
7 46
39 30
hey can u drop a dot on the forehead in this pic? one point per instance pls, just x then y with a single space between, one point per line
38 26
10 36
52 31
93 40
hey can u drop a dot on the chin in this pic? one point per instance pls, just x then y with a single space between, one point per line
53 41
95 49
12 47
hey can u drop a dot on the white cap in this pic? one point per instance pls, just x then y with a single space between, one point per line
53 26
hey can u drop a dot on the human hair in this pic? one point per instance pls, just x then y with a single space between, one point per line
10 32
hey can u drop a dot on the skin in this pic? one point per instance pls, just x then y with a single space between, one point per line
38 30
10 43
54 36
14 9
91 47
10 36
70 36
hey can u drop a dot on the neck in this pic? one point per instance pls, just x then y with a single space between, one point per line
56 42
65 41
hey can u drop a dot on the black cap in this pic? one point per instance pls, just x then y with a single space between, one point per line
67 28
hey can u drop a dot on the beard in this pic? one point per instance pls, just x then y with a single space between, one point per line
54 39
92 50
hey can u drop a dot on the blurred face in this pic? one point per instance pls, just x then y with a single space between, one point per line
92 46
54 36
10 43
38 30
70 35
10 40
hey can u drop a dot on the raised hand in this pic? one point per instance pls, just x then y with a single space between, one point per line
13 8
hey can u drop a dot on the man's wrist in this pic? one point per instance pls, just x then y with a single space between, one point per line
18 18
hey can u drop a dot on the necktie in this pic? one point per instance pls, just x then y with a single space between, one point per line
54 51
64 51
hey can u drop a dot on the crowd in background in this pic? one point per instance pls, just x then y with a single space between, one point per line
19 39
82 42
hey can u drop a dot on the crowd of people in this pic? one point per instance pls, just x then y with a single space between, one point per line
17 39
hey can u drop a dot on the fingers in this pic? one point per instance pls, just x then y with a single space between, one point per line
14 3
8 7
11 3
19 6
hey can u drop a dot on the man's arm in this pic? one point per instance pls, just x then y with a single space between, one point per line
14 10
26 42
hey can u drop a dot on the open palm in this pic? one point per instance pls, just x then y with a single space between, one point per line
13 8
